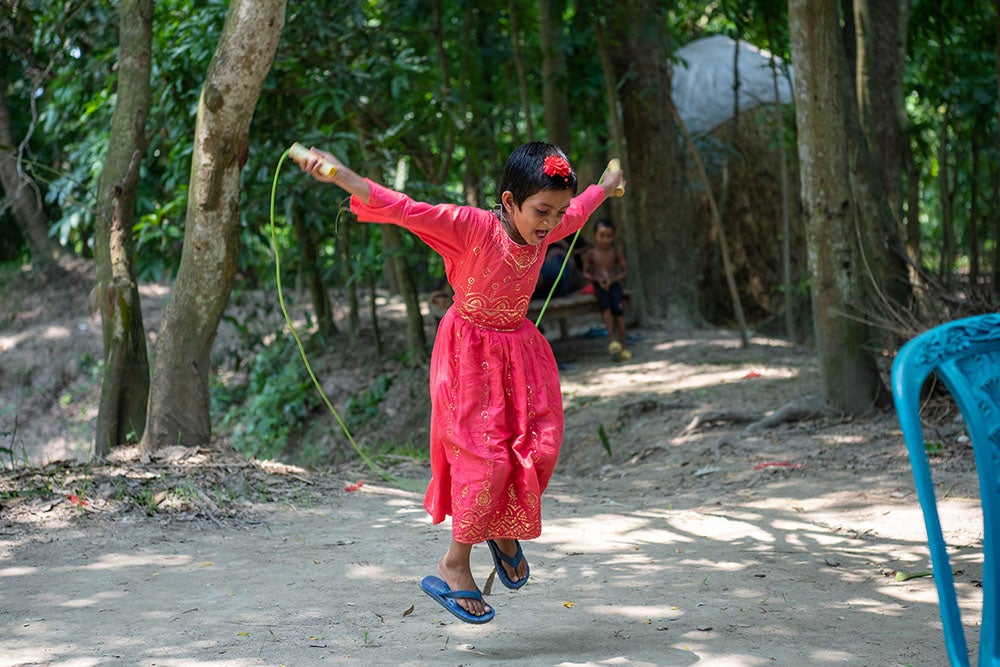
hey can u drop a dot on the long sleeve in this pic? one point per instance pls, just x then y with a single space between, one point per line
446 228
580 209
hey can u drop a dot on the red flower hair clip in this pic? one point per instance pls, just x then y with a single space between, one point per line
556 165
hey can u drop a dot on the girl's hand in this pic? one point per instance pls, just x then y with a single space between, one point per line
313 164
316 163
611 181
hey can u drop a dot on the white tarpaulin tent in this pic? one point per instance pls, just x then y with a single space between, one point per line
703 82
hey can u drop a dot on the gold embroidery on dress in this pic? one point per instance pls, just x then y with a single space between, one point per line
502 314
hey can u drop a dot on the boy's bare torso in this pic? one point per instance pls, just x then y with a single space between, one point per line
604 262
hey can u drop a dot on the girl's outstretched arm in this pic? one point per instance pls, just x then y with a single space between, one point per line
344 176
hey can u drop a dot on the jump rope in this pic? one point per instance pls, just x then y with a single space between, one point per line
299 152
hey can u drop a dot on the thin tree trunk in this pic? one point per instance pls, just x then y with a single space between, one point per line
522 77
880 27
448 113
946 269
791 305
973 226
474 35
621 207
392 247
369 275
179 400
22 195
662 206
121 415
823 103
909 195
350 279
319 295
875 149
555 96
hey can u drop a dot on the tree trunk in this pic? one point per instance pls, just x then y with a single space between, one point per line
349 277
619 207
662 207
910 194
972 231
880 27
179 400
121 415
791 304
319 295
555 97
875 149
946 270
22 195
522 77
369 276
824 104
392 247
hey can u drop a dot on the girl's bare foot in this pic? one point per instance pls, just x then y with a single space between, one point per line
509 547
454 568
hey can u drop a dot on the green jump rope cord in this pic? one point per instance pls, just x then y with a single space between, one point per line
388 477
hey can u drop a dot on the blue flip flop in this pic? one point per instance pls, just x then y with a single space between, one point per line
499 557
447 598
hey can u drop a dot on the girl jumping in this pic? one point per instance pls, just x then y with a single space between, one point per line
496 406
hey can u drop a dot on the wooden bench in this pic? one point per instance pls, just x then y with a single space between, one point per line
561 308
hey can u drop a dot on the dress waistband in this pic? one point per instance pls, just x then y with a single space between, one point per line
489 327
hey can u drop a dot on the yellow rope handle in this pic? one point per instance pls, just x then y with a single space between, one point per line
298 153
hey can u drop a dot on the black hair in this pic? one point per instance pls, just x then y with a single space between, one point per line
524 174
604 223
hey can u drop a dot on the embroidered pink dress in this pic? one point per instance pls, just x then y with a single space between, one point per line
496 406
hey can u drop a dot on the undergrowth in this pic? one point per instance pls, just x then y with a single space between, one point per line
274 412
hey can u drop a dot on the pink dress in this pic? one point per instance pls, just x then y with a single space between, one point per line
496 406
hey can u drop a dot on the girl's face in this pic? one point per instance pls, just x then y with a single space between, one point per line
535 218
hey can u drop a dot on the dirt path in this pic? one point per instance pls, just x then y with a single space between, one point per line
623 575
676 533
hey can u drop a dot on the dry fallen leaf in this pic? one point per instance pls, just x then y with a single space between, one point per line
408 611
569 605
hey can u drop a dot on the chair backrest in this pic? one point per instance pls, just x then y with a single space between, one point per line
965 356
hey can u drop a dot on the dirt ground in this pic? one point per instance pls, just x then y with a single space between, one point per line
702 513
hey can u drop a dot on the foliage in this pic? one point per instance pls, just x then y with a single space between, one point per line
951 79
426 87
365 407
379 80
264 413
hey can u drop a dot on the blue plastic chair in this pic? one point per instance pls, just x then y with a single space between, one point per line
965 356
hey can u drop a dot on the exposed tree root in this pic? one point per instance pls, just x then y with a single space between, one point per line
808 407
